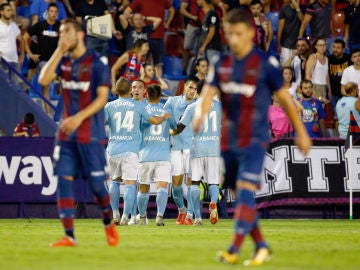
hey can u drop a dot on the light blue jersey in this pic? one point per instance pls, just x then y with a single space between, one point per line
124 116
176 106
205 143
155 143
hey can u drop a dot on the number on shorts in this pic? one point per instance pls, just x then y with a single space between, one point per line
127 122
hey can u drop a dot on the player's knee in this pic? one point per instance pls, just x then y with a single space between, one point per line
144 188
195 183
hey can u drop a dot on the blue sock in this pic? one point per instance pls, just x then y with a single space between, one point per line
177 193
134 209
195 199
214 193
142 202
129 198
161 201
66 205
114 192
190 207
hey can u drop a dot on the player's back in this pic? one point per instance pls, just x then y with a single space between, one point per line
176 106
206 142
124 117
155 143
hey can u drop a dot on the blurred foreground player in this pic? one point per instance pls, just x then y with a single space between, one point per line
79 148
246 80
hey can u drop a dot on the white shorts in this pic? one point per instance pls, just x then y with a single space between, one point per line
180 162
125 166
156 170
206 167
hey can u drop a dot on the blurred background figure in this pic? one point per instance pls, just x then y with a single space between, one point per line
27 128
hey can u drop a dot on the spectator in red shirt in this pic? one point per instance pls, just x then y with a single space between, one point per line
27 128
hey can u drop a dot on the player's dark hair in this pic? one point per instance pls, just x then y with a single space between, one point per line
351 86
237 15
200 85
122 86
29 119
139 80
137 44
52 5
193 79
154 92
77 25
255 2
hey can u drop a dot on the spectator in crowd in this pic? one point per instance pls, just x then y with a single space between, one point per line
290 18
22 22
190 11
39 10
155 8
264 30
9 35
201 68
150 77
352 24
298 59
95 8
318 14
45 37
338 61
289 82
317 70
351 73
313 114
27 128
349 103
135 28
134 60
279 123
210 40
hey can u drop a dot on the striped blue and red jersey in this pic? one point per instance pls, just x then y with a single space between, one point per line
80 79
246 86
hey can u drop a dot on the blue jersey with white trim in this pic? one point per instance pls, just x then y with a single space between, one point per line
206 142
246 86
176 107
124 117
155 142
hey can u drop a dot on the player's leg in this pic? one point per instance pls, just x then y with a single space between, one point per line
177 179
162 177
187 168
197 172
212 177
130 170
93 167
66 163
133 213
114 188
146 170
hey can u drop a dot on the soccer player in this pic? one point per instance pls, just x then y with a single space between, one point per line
79 148
205 156
124 116
246 80
180 150
154 159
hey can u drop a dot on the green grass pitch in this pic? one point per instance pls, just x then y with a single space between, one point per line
296 244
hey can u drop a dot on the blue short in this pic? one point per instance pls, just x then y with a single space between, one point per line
244 164
79 160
